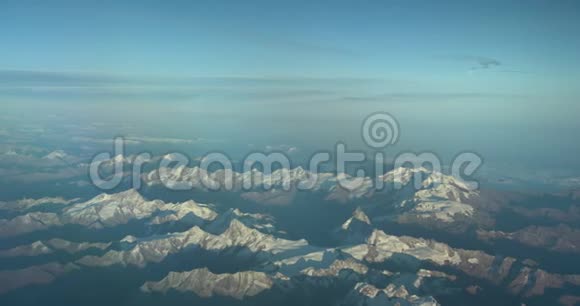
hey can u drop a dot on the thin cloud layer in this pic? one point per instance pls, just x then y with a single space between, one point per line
479 62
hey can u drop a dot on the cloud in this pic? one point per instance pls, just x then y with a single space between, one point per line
485 62
79 80
288 149
429 97
136 140
480 62
163 140
56 78
101 141
67 86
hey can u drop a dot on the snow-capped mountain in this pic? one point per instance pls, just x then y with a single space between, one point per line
418 192
56 155
368 294
237 235
206 284
51 246
356 228
365 261
107 210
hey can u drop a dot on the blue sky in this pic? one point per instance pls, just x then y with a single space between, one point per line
425 51
384 39
500 77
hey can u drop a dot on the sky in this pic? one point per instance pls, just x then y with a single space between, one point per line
297 38
499 77
520 47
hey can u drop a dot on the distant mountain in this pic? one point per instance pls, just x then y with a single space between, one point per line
419 193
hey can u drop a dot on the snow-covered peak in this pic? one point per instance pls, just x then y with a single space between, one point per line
381 246
427 179
236 236
129 195
425 194
206 284
316 256
56 155
129 239
341 187
181 210
108 210
262 222
358 215
50 246
336 267
368 294
403 175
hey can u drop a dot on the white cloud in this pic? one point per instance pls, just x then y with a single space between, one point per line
135 140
